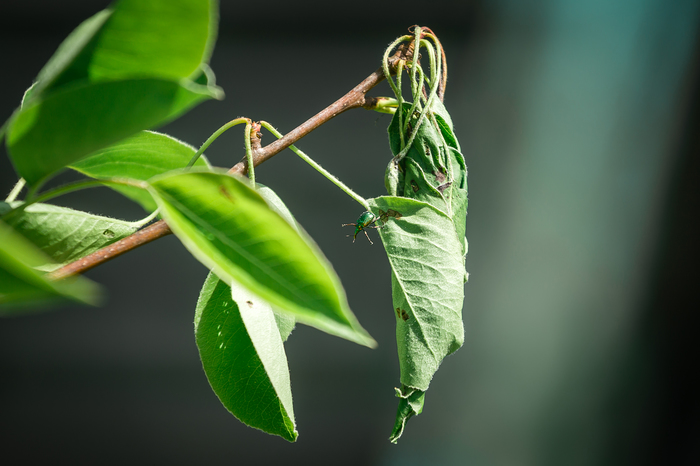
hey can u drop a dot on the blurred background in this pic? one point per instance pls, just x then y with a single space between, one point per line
579 123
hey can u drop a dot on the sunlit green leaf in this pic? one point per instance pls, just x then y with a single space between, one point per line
228 227
243 356
134 66
134 38
66 55
165 38
64 234
22 286
66 126
139 157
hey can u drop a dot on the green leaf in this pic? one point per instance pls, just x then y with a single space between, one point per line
285 322
139 157
21 285
65 235
445 124
164 38
48 134
228 227
66 55
425 255
135 38
134 66
243 357
427 287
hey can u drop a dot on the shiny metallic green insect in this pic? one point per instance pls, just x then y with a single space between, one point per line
366 220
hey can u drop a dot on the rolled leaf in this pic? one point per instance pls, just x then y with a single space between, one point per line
427 280
424 237
433 169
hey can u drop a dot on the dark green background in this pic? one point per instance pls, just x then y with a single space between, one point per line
578 122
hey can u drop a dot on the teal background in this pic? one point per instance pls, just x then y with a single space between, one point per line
578 121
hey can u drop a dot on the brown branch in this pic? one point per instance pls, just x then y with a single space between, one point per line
354 99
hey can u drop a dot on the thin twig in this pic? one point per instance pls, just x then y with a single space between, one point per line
354 99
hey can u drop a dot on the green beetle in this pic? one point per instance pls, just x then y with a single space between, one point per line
366 220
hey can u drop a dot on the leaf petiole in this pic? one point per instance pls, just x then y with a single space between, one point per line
214 136
249 153
16 190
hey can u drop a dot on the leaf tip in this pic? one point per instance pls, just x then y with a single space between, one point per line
363 338
410 404
293 436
